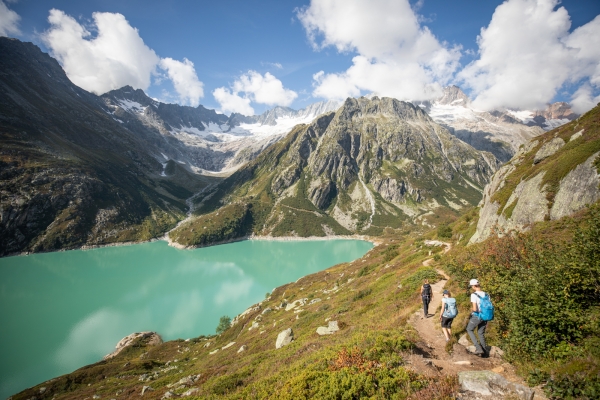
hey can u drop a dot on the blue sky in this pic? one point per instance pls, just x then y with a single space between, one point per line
248 55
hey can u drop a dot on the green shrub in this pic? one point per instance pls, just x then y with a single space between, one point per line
547 298
444 231
361 294
224 324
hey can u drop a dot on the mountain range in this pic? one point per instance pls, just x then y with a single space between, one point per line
83 170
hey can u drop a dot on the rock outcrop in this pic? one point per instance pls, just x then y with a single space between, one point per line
551 177
148 338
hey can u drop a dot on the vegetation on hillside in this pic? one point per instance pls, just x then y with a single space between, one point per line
546 288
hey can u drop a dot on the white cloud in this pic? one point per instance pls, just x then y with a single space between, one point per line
9 21
526 54
185 80
583 99
263 89
396 56
115 57
232 102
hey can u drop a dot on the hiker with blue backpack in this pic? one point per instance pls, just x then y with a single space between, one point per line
449 312
483 311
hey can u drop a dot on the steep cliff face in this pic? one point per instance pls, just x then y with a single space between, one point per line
550 177
372 164
70 174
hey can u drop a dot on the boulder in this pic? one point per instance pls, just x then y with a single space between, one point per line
266 310
284 338
243 348
496 352
294 304
190 392
488 383
331 328
168 394
149 338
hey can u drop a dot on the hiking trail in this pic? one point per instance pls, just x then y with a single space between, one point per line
431 358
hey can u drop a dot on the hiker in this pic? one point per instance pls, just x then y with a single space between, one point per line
449 312
477 321
426 297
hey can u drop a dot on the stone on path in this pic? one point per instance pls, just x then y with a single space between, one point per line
328 330
284 338
464 341
488 383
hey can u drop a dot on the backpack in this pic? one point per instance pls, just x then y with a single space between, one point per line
450 310
426 290
486 308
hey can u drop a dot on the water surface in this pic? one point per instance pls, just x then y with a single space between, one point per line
60 311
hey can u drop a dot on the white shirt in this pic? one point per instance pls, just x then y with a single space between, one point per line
476 299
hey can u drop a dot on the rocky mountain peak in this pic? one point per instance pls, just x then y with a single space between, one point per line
363 106
455 96
558 110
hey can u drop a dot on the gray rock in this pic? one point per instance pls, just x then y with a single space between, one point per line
464 340
146 389
284 338
243 348
577 189
330 329
294 304
168 394
267 310
313 301
150 338
42 389
576 135
548 149
488 383
190 392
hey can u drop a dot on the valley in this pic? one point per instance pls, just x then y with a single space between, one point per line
511 194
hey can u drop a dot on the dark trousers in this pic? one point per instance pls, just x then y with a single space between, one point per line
426 300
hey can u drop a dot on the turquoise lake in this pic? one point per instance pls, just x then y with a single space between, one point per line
63 310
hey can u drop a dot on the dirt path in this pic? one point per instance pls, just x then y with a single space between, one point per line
431 358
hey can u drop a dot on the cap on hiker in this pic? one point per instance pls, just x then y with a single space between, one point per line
473 282
445 292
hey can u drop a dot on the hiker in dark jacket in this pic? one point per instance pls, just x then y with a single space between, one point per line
426 297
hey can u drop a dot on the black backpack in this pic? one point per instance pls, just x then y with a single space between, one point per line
426 290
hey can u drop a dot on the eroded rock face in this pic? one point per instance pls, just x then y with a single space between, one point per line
539 194
578 188
148 337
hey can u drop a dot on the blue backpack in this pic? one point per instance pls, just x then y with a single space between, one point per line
450 310
486 308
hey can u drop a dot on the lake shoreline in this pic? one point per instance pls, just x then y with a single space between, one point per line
372 239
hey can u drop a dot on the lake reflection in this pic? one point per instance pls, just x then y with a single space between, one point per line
62 310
